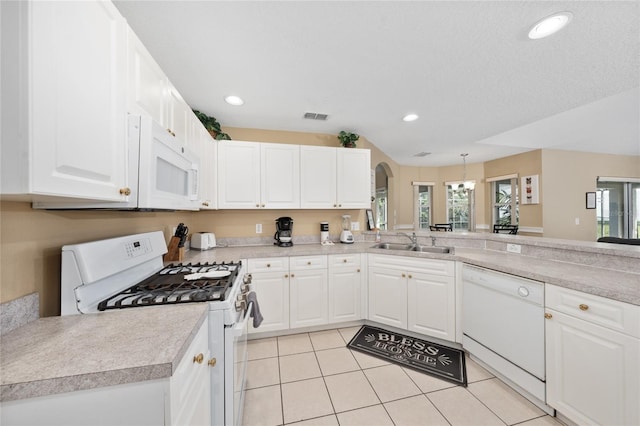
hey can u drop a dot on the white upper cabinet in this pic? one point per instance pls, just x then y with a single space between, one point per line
258 175
335 178
280 176
207 149
147 82
64 100
318 165
353 178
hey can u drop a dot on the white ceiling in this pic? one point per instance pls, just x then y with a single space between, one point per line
466 68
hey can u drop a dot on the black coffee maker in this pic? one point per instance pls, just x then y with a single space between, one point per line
284 231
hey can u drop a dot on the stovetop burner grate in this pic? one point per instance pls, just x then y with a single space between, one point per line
168 286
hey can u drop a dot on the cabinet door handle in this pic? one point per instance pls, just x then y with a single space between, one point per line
258 205
125 191
198 358
309 263
286 275
268 265
547 315
171 133
583 307
410 276
345 261
212 362
205 204
263 205
358 269
335 205
404 275
292 275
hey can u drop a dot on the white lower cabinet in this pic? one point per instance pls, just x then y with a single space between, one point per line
271 284
182 399
593 358
388 296
345 287
308 300
413 294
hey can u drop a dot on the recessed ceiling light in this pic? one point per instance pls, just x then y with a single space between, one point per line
234 100
410 117
550 25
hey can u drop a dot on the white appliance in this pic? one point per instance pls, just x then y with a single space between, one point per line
127 272
346 236
503 326
163 173
203 240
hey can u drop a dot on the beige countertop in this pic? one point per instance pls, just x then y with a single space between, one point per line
609 283
77 352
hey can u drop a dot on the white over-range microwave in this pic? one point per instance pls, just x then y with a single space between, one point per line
163 173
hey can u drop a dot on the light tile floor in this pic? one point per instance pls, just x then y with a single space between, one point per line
313 379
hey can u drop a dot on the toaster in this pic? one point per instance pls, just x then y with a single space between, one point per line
203 240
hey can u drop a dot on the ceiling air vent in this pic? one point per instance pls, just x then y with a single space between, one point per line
315 116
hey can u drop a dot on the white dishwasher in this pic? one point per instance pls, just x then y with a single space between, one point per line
503 325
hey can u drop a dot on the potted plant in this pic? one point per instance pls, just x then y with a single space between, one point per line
212 126
348 139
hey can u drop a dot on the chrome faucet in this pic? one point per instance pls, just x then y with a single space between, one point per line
412 237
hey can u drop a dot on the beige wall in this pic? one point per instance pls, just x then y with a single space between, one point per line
526 164
568 176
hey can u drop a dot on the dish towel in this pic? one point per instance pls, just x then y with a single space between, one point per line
255 309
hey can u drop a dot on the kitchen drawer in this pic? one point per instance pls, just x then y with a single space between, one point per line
300 263
268 264
612 314
401 263
351 259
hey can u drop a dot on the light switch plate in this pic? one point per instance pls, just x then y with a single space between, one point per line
355 226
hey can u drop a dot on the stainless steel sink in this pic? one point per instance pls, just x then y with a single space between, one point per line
412 247
433 249
394 246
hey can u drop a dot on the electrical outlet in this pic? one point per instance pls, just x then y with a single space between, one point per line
514 248
577 221
355 226
258 228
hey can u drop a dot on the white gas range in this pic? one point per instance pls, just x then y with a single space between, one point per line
128 272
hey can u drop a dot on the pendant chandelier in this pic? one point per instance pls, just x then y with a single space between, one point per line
466 184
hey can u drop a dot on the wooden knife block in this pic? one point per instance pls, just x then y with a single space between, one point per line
174 253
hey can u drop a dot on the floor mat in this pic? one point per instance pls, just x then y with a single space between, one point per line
431 358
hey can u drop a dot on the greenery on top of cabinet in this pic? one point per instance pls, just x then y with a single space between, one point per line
212 125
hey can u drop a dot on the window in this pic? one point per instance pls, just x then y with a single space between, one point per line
618 207
381 208
422 205
458 207
504 203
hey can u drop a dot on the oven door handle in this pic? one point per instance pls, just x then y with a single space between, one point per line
240 327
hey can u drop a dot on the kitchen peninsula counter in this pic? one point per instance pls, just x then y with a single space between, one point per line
574 271
78 352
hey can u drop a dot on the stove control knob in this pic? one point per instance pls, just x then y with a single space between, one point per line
241 305
246 288
247 278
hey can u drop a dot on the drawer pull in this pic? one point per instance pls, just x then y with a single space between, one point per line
309 263
345 261
212 362
268 265
198 358
548 315
583 307
358 269
125 191
404 276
